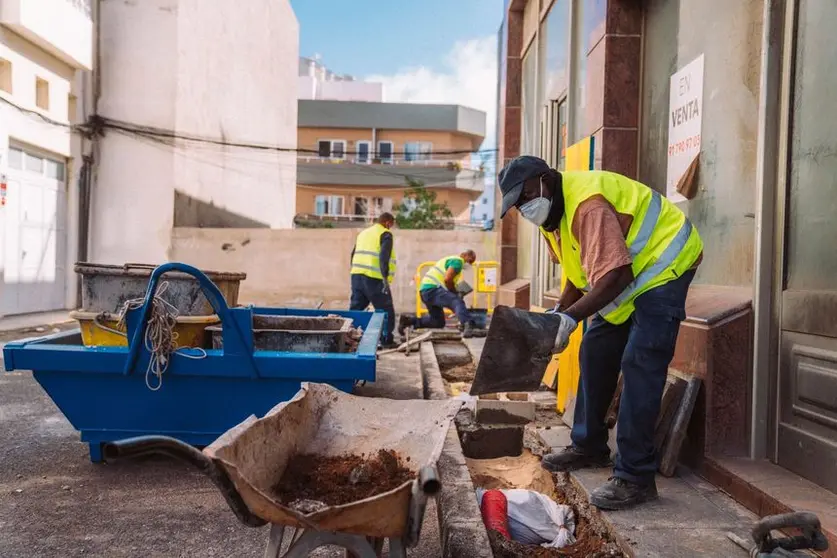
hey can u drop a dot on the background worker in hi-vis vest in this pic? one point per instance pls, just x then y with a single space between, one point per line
629 256
373 270
438 290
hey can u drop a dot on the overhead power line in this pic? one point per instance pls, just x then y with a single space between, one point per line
97 123
35 114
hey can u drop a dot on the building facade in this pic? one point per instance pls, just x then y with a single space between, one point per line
355 157
764 201
46 47
315 81
198 115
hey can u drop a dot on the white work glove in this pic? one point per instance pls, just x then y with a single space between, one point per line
562 339
554 310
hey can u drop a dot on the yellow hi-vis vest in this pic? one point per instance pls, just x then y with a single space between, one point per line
662 242
435 276
367 258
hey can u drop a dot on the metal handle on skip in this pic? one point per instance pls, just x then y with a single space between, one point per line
210 291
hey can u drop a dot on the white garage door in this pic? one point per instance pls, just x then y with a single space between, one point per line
35 241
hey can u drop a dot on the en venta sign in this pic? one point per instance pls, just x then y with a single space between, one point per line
684 124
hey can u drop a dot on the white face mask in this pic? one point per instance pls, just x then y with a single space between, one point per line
536 211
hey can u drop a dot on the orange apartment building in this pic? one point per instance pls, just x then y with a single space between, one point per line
355 156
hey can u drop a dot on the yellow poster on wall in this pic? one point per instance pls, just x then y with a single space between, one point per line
564 369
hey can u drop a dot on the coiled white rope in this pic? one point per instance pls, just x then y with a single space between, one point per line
160 337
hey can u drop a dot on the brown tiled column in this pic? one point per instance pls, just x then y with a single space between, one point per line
614 64
509 140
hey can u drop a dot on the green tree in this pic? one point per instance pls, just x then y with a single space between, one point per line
419 210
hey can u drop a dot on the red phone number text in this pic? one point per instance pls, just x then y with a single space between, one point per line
685 145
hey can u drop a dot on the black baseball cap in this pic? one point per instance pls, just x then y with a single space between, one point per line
511 178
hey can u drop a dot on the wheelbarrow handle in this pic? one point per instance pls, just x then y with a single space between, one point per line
172 447
428 480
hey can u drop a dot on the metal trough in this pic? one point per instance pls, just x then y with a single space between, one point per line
102 390
317 334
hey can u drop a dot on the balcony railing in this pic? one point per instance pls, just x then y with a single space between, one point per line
451 164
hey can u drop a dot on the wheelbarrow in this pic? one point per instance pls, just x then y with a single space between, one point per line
246 462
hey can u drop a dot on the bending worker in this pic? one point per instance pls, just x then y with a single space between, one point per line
629 256
438 291
373 269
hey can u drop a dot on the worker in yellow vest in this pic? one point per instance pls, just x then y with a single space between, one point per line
629 255
438 291
373 270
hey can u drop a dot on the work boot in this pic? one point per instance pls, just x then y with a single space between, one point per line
468 330
618 494
405 321
572 458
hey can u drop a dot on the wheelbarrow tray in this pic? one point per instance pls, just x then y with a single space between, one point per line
201 398
324 421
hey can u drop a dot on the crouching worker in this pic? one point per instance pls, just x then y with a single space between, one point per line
438 291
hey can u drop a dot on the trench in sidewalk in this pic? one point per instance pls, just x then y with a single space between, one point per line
522 470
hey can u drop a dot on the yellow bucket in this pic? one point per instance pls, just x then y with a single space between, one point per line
99 330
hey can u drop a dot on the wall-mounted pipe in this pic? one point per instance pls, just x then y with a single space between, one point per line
765 283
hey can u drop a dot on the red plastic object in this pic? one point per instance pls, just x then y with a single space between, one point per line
495 512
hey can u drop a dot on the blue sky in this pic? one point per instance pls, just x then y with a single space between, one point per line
423 51
386 36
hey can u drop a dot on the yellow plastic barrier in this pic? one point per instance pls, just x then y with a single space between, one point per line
563 371
579 156
568 365
484 281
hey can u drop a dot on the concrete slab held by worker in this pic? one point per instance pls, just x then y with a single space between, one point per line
629 255
373 270
438 291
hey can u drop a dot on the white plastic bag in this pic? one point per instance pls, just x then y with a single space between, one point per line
537 519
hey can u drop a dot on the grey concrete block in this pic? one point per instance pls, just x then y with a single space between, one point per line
505 412
491 441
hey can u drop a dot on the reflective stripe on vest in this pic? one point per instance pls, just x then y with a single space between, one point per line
665 260
661 241
648 224
367 259
435 276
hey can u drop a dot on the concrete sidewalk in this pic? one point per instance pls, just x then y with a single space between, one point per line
30 321
690 519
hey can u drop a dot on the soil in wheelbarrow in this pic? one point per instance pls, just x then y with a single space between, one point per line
335 481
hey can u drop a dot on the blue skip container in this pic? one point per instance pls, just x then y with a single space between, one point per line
103 393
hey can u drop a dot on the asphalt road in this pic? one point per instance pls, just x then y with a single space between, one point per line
55 503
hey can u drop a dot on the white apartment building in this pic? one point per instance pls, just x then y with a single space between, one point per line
222 71
317 83
46 47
